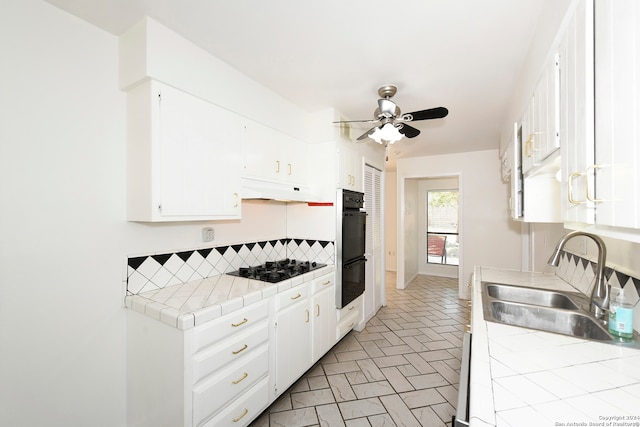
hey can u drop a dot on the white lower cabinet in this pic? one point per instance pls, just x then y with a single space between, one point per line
323 315
226 371
349 316
292 336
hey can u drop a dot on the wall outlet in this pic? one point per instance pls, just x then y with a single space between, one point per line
208 234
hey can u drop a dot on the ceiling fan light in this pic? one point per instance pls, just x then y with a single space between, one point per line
387 134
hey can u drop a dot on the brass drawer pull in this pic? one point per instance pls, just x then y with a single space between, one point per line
296 297
246 411
245 375
241 350
235 325
326 283
352 307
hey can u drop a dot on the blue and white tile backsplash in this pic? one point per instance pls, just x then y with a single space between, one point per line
157 271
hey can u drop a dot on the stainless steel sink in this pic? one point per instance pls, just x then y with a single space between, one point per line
559 312
567 322
543 297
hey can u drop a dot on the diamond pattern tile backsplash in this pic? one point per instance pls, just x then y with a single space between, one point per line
580 273
156 271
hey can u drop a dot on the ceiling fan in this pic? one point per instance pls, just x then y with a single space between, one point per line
392 125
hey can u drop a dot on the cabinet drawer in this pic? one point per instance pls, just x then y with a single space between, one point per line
292 296
237 346
347 323
323 282
213 394
349 309
246 408
218 329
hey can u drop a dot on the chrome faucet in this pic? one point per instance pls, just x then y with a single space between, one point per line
600 294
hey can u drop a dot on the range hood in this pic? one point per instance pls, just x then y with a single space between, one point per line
266 190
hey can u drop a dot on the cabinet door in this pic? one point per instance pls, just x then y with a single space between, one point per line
199 150
262 154
617 176
323 311
576 115
293 343
528 136
273 156
349 168
295 157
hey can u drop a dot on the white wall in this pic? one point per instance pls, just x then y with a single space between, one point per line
65 238
488 237
408 216
391 220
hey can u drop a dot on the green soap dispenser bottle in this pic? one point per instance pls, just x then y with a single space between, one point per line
621 316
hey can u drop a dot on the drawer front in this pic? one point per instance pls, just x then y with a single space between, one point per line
292 296
349 309
233 348
213 394
218 329
245 409
347 323
322 283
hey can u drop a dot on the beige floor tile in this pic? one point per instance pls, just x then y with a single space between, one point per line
401 370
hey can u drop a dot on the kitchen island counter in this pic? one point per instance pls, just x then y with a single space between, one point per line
193 303
523 377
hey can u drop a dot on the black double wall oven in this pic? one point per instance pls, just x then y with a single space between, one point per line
350 247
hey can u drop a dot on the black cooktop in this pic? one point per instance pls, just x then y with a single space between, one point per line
276 271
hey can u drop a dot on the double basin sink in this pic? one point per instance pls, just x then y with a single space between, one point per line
564 313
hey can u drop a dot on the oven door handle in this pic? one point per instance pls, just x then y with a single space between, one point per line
350 264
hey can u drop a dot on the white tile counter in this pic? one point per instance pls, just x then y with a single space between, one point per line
194 303
522 377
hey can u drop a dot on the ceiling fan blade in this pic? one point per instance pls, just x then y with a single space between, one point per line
431 113
367 133
408 131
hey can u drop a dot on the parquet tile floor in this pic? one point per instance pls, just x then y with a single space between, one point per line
402 369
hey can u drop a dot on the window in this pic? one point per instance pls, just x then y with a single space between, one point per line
442 227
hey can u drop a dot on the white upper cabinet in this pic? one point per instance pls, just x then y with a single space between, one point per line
184 156
617 110
540 118
577 115
350 169
273 156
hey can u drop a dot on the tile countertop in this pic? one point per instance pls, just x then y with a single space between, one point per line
194 303
522 377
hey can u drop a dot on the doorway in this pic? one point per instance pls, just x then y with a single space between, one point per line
414 222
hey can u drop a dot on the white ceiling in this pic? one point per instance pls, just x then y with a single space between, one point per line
466 55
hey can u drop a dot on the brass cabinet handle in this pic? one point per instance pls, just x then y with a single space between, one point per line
290 169
235 325
351 325
296 297
572 176
235 205
352 307
240 350
307 313
235 420
277 166
317 310
241 378
327 282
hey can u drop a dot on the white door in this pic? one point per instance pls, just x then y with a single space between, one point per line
374 273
